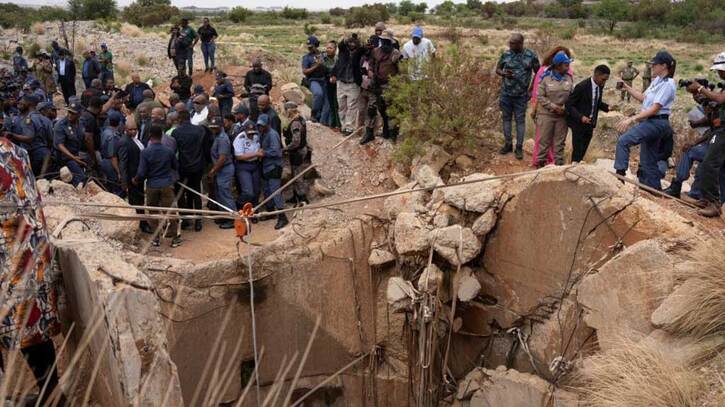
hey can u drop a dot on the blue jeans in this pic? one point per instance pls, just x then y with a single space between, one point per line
248 174
223 186
78 174
112 184
271 185
319 95
106 74
647 135
208 49
38 157
514 107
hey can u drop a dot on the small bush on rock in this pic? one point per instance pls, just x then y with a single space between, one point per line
452 107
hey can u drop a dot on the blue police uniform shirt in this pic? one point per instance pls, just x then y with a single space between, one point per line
272 147
660 91
245 145
109 142
23 125
307 61
40 138
158 164
68 134
221 146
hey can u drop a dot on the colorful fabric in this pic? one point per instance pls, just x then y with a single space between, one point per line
28 310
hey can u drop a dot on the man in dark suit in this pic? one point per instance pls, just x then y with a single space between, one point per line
66 69
129 155
582 109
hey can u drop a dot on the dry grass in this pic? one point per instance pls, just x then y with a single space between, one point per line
142 60
122 68
639 375
131 30
701 309
38 28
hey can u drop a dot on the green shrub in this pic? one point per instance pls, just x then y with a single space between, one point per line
310 29
238 14
366 15
438 110
147 13
294 13
92 9
325 18
338 12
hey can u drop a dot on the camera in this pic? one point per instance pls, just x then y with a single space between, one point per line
683 83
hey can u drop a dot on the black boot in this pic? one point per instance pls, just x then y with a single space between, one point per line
507 148
674 189
519 153
302 200
185 224
281 221
369 136
197 225
145 227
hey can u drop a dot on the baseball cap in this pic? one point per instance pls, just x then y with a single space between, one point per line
263 120
216 121
75 107
312 40
30 99
103 45
417 32
198 88
290 105
663 57
240 108
46 105
719 63
257 89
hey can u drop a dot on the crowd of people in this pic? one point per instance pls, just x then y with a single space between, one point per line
558 104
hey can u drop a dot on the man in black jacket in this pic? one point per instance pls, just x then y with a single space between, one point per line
190 148
128 154
257 75
582 109
348 76
66 69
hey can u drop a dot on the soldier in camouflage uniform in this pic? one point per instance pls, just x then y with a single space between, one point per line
628 74
517 67
646 76
295 145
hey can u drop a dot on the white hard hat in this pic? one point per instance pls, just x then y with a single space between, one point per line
719 63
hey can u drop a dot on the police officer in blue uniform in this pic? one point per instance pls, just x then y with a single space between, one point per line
246 164
68 139
28 132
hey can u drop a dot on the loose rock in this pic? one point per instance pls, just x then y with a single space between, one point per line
477 197
379 257
431 279
410 235
484 223
446 242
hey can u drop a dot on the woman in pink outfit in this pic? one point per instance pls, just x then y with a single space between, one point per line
534 93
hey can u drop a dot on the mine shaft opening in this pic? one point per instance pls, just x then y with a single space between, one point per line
524 315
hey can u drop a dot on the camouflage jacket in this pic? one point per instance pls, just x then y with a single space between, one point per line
524 65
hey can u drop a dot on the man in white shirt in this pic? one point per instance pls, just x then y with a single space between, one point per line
418 50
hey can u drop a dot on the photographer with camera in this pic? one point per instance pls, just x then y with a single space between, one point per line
700 119
714 159
653 132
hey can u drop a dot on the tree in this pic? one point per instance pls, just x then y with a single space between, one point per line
405 7
446 8
474 5
489 8
145 13
612 11
238 14
421 7
92 9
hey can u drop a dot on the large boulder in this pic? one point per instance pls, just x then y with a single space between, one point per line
446 242
427 177
476 197
434 157
510 388
431 279
379 257
123 230
620 298
405 202
410 234
291 92
484 223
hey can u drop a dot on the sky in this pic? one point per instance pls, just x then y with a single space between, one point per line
251 4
